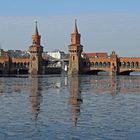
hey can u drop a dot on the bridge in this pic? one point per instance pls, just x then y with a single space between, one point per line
19 65
14 65
128 65
94 64
76 62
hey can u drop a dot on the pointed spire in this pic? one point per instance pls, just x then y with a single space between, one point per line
36 29
75 27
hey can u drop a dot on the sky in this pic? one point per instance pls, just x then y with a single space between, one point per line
105 25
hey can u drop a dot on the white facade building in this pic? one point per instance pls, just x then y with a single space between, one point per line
56 54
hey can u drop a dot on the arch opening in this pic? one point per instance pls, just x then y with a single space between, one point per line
127 72
97 72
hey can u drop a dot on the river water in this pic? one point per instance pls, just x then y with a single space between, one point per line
55 107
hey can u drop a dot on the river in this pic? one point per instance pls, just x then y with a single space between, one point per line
55 107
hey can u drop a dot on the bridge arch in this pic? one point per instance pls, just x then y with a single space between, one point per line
127 72
97 72
23 71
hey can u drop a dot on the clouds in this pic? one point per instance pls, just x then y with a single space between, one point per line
100 32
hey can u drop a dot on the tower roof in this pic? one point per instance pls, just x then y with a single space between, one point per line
75 30
36 29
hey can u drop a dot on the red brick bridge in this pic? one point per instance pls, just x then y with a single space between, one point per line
92 63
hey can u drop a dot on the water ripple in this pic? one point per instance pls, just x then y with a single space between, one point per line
73 108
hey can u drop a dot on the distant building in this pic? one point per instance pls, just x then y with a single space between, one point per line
56 54
3 53
18 53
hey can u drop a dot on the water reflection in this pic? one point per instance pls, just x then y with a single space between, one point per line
77 85
75 98
115 84
35 95
72 108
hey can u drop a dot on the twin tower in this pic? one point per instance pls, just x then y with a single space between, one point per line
75 49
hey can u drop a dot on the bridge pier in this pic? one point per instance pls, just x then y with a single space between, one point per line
112 73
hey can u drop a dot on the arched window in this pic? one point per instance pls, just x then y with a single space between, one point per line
25 64
85 63
92 64
132 65
18 64
14 64
108 64
123 64
100 64
119 64
128 64
104 64
21 64
96 64
137 64
73 58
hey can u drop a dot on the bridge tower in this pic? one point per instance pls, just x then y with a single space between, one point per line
36 51
114 62
75 49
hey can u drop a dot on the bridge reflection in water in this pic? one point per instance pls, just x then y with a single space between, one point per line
35 95
115 84
78 84
81 84
58 107
75 98
112 85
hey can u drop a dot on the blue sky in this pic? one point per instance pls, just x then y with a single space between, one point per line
105 25
55 7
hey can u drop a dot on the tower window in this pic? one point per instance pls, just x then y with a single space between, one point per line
33 58
73 58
